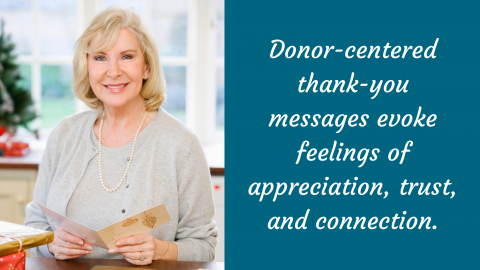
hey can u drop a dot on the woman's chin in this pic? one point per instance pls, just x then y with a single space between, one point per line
115 103
120 99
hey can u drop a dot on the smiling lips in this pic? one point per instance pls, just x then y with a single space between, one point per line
115 88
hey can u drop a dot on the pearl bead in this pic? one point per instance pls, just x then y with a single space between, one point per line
100 154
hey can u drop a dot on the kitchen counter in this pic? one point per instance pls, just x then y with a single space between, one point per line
214 152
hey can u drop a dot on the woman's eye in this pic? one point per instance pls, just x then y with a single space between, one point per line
99 58
127 57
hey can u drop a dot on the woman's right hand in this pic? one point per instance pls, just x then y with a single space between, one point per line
67 246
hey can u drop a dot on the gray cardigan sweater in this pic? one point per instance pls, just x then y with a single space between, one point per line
169 167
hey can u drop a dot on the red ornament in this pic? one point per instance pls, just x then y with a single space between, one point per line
13 261
2 130
19 145
13 149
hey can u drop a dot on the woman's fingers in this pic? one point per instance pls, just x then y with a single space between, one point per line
132 255
68 237
138 262
85 246
136 255
133 248
68 246
69 252
135 240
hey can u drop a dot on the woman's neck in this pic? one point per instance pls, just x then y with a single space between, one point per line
128 113
121 124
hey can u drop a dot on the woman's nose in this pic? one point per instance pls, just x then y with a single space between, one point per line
114 69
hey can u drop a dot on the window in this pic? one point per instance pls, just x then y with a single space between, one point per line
220 76
41 31
45 32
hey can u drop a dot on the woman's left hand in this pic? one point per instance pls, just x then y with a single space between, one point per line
133 247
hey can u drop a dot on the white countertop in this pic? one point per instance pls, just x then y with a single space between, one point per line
214 152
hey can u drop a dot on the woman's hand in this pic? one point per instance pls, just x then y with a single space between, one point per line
67 246
134 247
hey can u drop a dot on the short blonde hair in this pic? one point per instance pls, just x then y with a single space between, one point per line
105 26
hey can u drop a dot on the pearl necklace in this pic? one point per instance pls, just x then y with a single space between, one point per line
100 154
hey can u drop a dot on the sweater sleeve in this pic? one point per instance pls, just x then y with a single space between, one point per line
197 232
34 215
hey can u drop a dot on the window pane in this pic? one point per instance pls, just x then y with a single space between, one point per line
57 26
58 100
220 5
176 89
169 25
17 16
137 5
26 77
220 123
220 78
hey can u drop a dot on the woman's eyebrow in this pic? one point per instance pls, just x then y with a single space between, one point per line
128 51
120 52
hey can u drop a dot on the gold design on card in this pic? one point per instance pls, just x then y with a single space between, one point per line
149 220
129 222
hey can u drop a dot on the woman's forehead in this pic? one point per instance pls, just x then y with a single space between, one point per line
123 40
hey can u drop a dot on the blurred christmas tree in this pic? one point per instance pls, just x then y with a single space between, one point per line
16 104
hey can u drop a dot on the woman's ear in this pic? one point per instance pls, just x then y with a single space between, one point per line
146 74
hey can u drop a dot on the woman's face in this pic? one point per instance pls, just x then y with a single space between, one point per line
116 75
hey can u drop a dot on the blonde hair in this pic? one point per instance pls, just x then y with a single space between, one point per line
105 27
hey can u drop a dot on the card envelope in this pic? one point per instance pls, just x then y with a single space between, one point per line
106 237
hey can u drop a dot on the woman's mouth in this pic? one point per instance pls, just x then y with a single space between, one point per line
115 88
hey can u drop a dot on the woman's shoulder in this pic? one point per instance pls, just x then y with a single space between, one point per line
72 126
77 120
173 133
174 127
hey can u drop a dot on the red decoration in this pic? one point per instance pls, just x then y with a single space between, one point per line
19 145
14 261
13 149
2 130
14 152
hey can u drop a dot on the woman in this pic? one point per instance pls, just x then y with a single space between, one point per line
125 156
